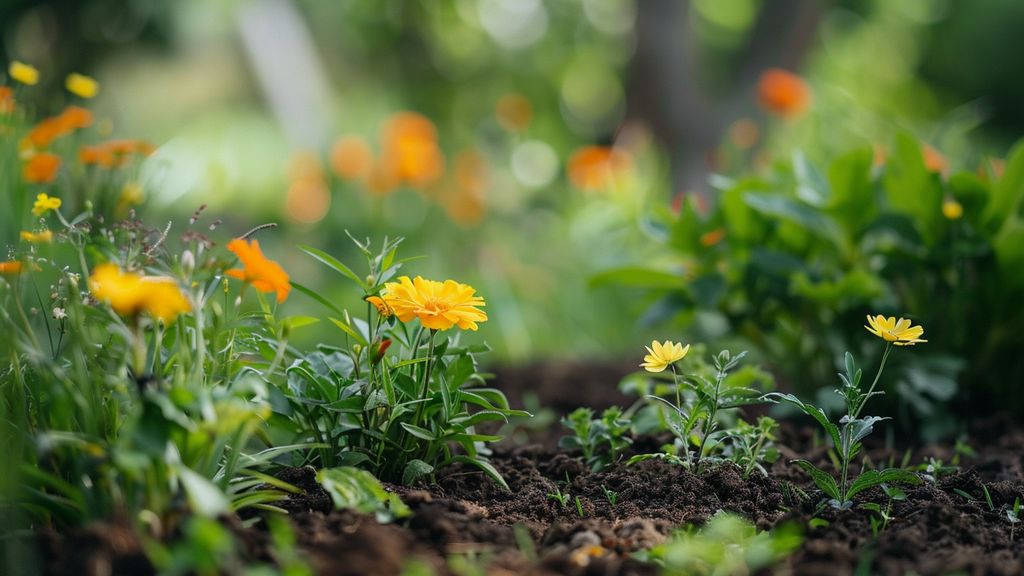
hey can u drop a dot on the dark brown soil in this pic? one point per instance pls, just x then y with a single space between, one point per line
936 530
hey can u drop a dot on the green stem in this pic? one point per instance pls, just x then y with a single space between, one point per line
710 422
860 405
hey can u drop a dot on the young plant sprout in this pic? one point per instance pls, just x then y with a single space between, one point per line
602 440
694 416
846 438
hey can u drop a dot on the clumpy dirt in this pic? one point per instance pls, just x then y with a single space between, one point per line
526 531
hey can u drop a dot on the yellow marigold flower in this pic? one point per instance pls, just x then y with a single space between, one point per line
23 73
131 294
952 209
44 204
37 237
11 267
380 305
264 274
898 331
661 355
438 305
81 85
41 168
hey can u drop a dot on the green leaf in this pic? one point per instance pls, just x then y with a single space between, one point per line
295 322
811 186
1007 193
335 264
912 190
484 465
414 470
204 497
812 411
421 433
822 479
316 296
352 488
796 212
349 330
875 477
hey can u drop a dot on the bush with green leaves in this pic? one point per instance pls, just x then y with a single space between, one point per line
398 397
787 259
602 440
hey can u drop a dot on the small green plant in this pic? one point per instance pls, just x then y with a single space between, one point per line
727 544
882 516
558 496
610 495
579 506
694 415
602 440
934 469
846 438
1013 516
749 446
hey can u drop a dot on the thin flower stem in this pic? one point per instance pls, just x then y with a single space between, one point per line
860 405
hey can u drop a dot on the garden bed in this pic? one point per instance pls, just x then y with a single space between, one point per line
936 530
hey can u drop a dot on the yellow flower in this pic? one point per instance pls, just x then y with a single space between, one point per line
81 85
661 355
131 294
952 209
264 274
438 305
37 237
44 204
23 73
382 307
899 332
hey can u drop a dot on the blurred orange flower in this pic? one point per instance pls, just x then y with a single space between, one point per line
351 158
409 142
6 100
264 274
114 153
934 161
744 133
465 205
783 93
41 168
11 267
514 112
49 129
596 167
712 237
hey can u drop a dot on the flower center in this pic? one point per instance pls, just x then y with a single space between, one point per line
436 306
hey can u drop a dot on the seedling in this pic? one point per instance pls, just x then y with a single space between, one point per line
934 469
602 440
748 446
1013 515
847 438
579 507
610 495
880 521
558 496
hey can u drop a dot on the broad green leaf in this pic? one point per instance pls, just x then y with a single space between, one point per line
802 215
352 488
414 470
1007 192
875 477
204 497
822 479
912 190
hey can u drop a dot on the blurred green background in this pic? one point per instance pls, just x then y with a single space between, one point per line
284 111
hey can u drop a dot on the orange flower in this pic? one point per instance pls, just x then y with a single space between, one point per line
351 158
934 161
783 93
595 167
113 153
10 268
6 100
713 237
49 129
514 112
41 168
264 274
744 133
410 149
465 205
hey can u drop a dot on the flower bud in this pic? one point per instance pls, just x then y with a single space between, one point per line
188 261
371 280
378 355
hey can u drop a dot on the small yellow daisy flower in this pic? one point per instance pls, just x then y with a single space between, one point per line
44 204
23 73
661 355
898 331
81 85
